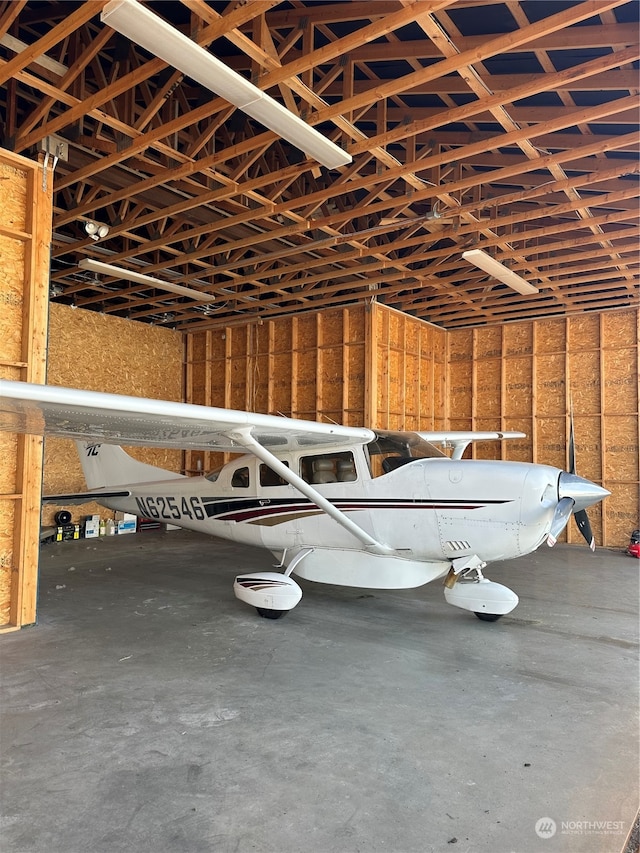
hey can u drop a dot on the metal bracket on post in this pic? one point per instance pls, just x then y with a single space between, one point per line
55 147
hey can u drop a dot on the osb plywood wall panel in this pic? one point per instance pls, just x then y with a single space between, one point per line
25 236
376 366
309 366
11 283
12 252
13 196
96 352
407 371
525 376
360 365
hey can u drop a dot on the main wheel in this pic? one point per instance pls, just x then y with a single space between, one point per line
63 516
488 617
267 613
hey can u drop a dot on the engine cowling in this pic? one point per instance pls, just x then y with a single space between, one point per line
267 590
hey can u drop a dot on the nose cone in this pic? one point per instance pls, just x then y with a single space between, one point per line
583 492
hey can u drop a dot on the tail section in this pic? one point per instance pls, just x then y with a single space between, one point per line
106 465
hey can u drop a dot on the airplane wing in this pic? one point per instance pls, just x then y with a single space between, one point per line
116 419
460 440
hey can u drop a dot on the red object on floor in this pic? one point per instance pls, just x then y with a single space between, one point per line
634 550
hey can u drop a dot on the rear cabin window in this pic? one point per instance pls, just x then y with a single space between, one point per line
212 476
328 468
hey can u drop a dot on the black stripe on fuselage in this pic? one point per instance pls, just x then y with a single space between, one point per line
248 509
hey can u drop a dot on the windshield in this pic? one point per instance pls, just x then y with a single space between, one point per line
390 450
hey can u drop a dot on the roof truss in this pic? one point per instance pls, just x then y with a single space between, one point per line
510 126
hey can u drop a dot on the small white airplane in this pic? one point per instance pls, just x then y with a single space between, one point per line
339 505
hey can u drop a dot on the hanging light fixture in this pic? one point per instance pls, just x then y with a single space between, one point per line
485 262
141 278
145 28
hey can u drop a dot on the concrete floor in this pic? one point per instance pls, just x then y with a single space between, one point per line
150 711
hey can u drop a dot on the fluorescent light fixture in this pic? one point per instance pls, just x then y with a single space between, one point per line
146 29
485 262
141 278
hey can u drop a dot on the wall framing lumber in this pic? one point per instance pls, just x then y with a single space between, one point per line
407 370
310 365
25 239
364 364
528 375
370 364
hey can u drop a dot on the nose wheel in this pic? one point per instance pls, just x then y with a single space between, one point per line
266 613
466 587
488 617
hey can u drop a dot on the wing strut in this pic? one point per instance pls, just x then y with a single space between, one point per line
245 438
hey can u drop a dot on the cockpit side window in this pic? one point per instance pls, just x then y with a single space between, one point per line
268 477
240 478
391 450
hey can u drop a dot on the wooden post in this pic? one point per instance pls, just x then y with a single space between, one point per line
294 367
25 228
371 366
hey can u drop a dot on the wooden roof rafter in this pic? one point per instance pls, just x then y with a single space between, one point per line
523 140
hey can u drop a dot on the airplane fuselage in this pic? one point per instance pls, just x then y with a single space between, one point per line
336 504
429 511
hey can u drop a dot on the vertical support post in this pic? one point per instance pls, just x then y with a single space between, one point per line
319 396
503 383
603 425
534 392
271 338
567 401
294 367
35 303
187 385
345 367
371 366
474 387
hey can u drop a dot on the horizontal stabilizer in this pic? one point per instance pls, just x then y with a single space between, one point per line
459 440
84 497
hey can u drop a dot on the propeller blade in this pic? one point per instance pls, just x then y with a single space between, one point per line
572 446
560 519
580 514
582 520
